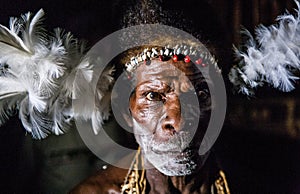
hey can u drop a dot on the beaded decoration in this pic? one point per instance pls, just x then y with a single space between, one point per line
135 180
187 54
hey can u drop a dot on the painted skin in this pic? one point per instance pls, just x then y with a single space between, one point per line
159 122
167 135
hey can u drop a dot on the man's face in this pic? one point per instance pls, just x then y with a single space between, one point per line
165 120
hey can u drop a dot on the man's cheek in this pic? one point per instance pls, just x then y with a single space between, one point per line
145 111
138 110
146 116
141 114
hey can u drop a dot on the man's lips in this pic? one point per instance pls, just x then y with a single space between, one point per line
187 153
176 144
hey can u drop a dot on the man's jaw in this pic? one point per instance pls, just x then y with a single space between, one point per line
172 158
174 163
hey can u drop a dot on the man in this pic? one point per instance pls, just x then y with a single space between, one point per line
168 131
167 125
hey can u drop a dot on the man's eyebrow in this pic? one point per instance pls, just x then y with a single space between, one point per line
150 85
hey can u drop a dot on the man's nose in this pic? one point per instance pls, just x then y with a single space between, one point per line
172 120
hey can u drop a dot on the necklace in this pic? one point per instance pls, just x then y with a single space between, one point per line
135 180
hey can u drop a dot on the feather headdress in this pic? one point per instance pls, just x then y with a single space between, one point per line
40 74
272 58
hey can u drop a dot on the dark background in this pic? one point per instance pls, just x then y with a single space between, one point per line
258 147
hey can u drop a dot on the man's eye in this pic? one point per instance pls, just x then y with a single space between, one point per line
154 96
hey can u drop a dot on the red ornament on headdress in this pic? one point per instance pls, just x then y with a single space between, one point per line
160 57
198 61
175 58
187 59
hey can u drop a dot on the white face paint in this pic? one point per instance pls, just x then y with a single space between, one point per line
160 128
172 157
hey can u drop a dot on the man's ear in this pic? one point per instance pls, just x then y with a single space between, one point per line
127 115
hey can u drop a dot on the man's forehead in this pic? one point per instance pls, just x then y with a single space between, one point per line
165 69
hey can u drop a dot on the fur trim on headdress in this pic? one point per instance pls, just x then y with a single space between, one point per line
272 58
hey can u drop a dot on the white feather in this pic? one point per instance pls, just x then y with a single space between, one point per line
78 81
60 115
33 32
273 59
97 121
33 68
92 104
40 74
9 105
103 99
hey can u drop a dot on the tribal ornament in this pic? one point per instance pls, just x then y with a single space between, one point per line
183 52
135 181
40 74
272 58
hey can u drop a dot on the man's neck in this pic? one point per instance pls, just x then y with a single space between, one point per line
197 182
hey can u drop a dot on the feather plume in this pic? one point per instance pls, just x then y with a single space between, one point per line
97 108
36 71
42 75
102 107
8 104
272 58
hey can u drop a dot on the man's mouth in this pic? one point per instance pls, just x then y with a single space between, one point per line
179 156
176 144
174 163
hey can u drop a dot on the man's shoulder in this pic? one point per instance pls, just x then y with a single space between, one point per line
107 180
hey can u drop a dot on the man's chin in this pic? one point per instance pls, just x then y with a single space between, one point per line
173 164
177 169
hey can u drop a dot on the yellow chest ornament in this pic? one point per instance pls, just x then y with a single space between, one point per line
135 180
